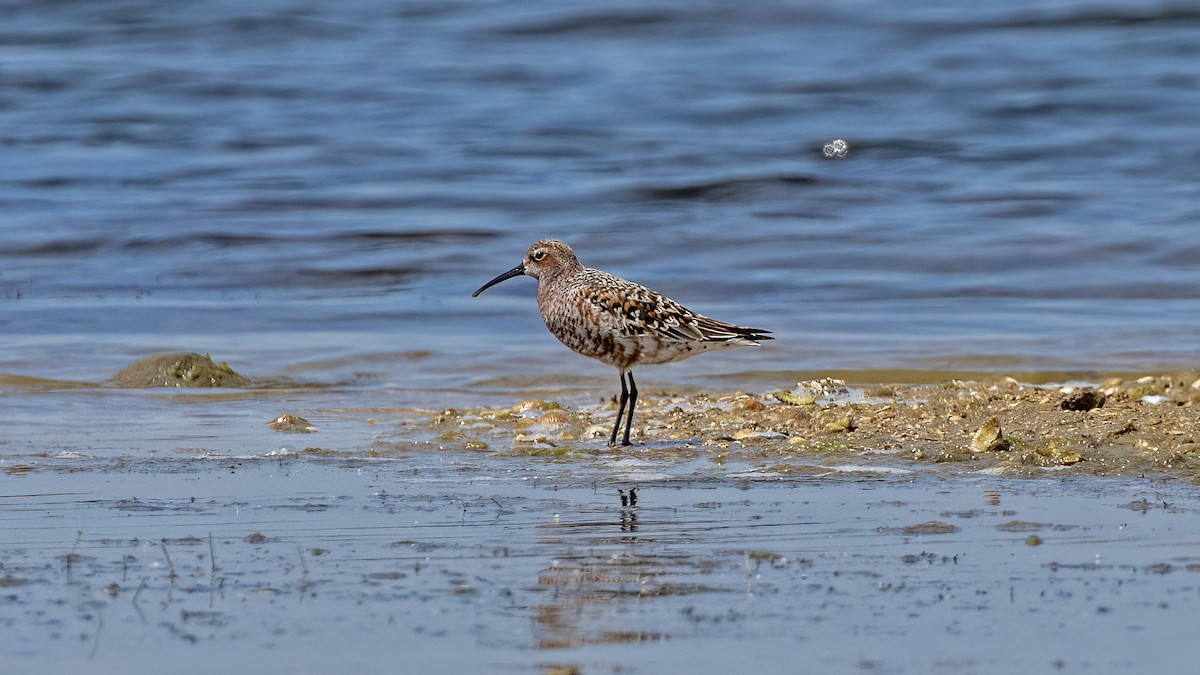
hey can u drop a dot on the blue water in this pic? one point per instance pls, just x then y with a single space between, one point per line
314 190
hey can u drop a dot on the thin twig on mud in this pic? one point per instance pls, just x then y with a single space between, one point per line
170 563
135 599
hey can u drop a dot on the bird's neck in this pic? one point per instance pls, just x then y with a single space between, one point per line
555 275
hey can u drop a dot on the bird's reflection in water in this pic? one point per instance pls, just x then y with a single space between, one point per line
629 513
603 571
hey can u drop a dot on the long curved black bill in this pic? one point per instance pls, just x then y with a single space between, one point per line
514 272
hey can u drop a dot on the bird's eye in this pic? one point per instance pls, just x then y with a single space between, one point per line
538 255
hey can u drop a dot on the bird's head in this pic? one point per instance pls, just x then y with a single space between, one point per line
544 259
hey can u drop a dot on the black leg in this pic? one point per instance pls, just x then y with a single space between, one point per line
632 405
620 411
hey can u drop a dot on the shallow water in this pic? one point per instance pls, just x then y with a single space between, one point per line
452 563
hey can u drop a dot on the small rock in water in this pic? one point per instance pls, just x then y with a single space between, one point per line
180 370
930 527
989 437
291 424
1083 400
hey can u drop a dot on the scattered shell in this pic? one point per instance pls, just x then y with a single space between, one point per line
1155 400
751 404
989 437
597 431
291 424
554 419
809 392
559 423
1052 455
743 434
1111 386
839 425
528 439
826 386
526 406
792 399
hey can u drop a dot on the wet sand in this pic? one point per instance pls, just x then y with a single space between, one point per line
453 563
744 531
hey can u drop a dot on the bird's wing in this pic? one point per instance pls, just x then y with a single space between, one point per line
632 310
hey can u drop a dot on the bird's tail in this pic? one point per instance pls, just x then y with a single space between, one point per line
754 335
727 332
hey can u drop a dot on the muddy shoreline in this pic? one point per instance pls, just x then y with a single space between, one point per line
1128 425
826 525
1120 427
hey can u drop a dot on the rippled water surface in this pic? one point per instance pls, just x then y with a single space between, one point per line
316 189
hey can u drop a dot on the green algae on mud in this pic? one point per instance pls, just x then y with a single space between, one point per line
180 370
1150 424
1117 426
29 383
